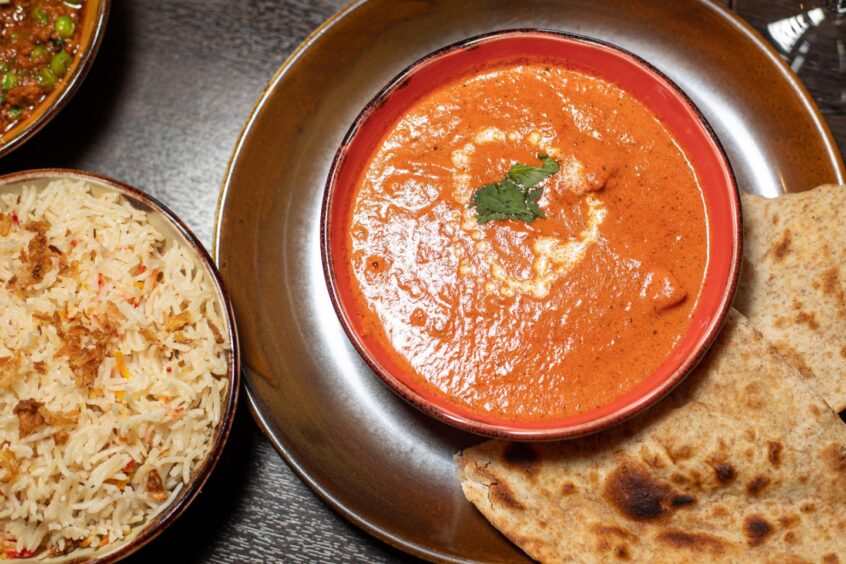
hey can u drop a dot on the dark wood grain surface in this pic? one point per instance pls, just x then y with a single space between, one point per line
161 109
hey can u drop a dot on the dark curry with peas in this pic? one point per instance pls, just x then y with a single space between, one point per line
38 42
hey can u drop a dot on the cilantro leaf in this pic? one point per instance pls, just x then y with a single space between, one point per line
527 176
503 200
512 197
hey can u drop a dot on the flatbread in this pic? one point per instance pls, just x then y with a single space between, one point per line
743 462
793 285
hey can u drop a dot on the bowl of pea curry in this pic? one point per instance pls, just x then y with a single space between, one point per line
46 48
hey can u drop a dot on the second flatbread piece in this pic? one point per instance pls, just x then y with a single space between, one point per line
793 286
742 463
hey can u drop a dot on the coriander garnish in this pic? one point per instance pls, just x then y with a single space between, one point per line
513 196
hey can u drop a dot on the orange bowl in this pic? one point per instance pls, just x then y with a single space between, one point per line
639 79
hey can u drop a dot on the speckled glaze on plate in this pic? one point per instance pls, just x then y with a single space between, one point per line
175 232
372 457
93 27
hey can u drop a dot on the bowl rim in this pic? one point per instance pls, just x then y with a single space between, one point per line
513 430
164 518
69 88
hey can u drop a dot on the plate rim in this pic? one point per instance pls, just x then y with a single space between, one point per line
252 399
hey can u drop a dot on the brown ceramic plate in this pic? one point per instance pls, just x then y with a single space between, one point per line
175 232
372 457
93 26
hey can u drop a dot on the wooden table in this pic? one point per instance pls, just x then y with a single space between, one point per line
161 109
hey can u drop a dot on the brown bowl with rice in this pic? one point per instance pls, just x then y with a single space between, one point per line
119 367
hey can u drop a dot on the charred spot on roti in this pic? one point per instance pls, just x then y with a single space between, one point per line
651 457
725 473
568 488
808 507
832 287
788 521
719 511
834 455
775 218
793 357
521 456
679 453
622 552
774 449
696 542
757 484
682 500
614 539
757 529
780 249
809 319
753 396
830 558
499 493
678 478
789 537
613 531
638 495
831 282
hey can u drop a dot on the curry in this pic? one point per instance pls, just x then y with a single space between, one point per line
528 240
38 42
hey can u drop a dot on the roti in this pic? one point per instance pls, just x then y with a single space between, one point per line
793 286
743 462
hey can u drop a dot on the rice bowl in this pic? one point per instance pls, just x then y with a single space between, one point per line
118 367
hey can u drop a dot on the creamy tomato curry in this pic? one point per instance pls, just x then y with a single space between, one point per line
528 319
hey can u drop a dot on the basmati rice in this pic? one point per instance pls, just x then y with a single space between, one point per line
118 338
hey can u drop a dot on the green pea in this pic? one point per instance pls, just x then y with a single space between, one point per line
3 67
9 81
15 113
38 52
64 27
40 15
46 77
75 3
2 99
60 63
15 36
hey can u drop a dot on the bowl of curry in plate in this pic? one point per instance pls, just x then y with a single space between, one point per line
46 49
531 235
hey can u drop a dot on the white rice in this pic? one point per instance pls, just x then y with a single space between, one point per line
157 414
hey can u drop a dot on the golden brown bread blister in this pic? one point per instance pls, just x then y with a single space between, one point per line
793 286
743 462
